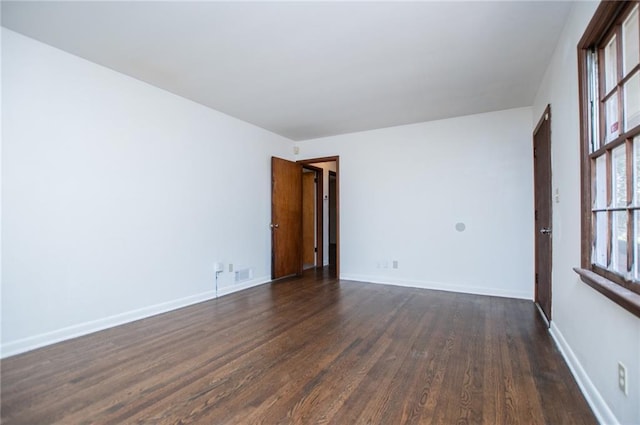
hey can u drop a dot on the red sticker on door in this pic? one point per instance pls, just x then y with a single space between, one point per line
614 127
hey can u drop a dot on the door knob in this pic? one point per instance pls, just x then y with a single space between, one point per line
545 231
274 226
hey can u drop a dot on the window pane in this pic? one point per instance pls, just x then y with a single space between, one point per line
636 245
619 242
610 62
636 170
594 124
601 182
630 41
612 126
632 102
600 243
619 176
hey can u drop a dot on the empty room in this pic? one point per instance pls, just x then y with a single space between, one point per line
315 212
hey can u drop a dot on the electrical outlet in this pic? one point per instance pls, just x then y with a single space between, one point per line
622 378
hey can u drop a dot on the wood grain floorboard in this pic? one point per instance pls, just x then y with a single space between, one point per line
310 350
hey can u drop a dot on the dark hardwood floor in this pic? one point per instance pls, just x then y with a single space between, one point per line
306 351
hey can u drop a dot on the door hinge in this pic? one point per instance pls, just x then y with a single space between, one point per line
315 180
315 249
536 277
536 215
535 152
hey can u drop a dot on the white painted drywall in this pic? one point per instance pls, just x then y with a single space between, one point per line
118 197
1 174
594 332
403 189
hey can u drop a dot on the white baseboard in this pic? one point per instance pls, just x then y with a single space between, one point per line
591 394
225 290
439 286
37 341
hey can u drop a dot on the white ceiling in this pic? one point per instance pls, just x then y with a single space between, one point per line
313 69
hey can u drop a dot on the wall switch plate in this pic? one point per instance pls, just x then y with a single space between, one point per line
395 264
622 378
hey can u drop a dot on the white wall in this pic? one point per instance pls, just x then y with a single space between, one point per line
593 332
1 173
403 189
118 197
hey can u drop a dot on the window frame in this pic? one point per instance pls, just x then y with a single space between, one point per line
600 30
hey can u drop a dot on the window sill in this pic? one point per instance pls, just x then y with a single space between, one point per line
625 298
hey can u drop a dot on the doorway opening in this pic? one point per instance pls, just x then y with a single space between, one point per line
333 219
327 212
287 216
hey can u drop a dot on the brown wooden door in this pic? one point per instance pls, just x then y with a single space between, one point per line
286 218
542 194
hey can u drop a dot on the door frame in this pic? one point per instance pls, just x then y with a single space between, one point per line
335 159
319 213
545 180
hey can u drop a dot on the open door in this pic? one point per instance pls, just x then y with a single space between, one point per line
286 218
542 195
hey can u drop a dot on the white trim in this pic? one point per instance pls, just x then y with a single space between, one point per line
544 316
37 341
439 286
48 338
225 290
591 394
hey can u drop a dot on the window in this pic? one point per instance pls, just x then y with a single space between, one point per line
609 55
